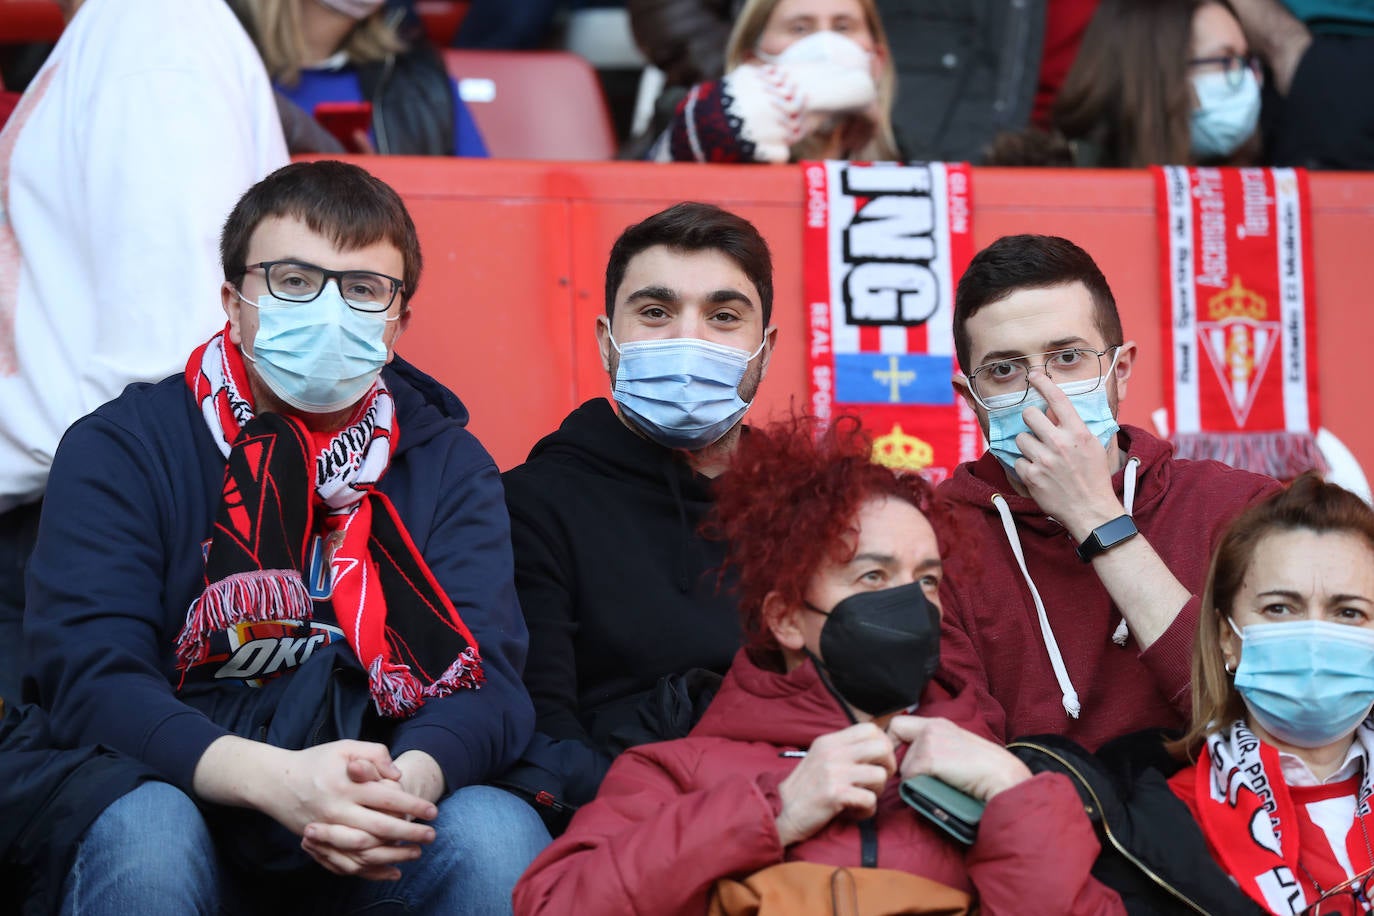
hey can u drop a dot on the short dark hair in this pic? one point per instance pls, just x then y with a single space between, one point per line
335 199
691 226
1017 262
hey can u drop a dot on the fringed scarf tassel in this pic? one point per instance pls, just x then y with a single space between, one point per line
1281 455
248 597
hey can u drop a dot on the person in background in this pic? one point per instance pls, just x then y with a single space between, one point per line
825 710
1283 683
1189 95
629 628
805 79
1316 50
115 177
331 51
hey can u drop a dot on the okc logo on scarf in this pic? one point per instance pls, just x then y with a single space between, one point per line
1239 316
883 247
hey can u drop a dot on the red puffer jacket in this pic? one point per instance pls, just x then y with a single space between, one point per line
672 818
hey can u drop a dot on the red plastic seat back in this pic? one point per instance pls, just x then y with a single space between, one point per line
534 104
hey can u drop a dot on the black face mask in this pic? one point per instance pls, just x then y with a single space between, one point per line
880 648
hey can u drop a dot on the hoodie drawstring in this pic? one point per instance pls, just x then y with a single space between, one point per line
1121 633
1072 706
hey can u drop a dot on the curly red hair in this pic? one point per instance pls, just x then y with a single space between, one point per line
788 505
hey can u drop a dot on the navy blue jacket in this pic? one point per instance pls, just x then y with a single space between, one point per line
130 503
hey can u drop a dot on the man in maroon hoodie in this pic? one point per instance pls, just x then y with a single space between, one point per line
1072 607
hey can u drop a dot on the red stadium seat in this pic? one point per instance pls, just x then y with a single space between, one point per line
441 19
24 21
534 104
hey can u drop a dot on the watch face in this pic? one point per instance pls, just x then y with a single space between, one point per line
1115 531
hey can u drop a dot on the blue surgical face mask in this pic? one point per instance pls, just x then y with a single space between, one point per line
317 356
1005 423
1308 683
1226 116
681 391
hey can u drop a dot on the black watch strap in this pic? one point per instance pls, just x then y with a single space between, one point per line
1106 536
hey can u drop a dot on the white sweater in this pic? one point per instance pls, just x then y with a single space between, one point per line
117 171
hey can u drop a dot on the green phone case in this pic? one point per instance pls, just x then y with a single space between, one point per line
952 811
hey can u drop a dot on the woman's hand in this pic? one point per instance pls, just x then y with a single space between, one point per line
956 756
843 771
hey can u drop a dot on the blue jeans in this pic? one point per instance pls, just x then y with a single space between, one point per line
150 852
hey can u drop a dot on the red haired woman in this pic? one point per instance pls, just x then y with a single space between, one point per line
823 713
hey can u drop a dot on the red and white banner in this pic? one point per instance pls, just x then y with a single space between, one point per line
1239 316
884 246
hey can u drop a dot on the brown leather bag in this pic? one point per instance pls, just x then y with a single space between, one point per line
808 888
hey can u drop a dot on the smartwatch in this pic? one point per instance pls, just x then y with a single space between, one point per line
1106 536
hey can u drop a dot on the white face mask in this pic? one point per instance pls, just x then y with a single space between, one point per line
821 47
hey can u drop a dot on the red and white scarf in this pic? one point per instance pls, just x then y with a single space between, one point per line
884 246
282 487
1239 316
1246 812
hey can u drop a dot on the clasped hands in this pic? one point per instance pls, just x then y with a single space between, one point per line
359 813
845 772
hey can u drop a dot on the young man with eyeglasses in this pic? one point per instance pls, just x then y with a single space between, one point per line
1072 608
278 580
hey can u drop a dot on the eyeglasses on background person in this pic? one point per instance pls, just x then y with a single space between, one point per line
1233 66
298 281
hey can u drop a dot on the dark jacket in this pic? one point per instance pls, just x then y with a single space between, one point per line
966 70
1153 852
130 503
618 587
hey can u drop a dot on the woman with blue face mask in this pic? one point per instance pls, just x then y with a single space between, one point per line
1283 683
1157 82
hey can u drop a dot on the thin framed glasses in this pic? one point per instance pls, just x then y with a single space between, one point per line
1355 890
297 281
1007 377
1233 65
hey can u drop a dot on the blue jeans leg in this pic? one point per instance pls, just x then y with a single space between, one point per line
149 853
484 840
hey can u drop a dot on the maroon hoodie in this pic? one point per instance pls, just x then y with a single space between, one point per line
992 637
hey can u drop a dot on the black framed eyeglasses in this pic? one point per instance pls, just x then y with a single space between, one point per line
1008 380
1356 890
298 281
1233 65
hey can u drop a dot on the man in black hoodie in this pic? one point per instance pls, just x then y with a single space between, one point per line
619 588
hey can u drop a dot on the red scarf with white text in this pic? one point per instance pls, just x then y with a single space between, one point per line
280 490
1247 814
1239 317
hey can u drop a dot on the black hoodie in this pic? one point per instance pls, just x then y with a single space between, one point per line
618 586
